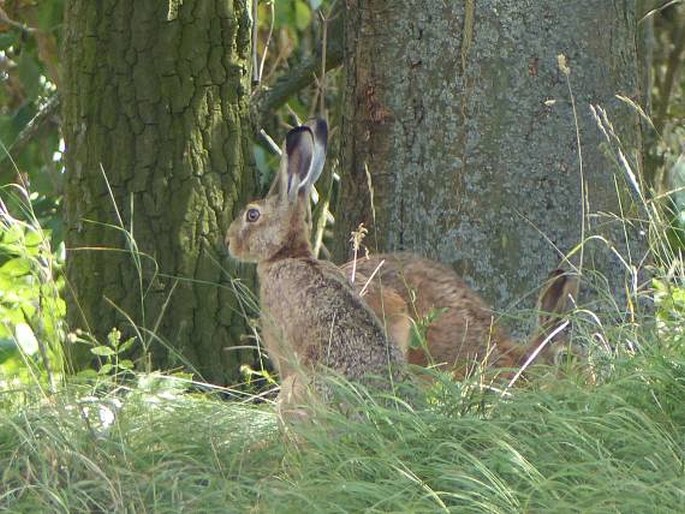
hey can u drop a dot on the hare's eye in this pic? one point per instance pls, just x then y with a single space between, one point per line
252 215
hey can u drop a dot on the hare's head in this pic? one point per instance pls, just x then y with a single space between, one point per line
276 226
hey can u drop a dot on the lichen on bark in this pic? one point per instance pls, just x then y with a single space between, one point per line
465 124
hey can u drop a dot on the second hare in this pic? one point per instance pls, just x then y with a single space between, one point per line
461 332
311 317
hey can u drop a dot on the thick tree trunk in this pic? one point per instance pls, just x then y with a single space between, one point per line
155 111
461 117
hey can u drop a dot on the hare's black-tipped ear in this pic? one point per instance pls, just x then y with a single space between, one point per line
319 130
299 154
556 293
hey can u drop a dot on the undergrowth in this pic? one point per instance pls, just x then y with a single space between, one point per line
554 446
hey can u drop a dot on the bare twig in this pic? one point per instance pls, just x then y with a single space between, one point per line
266 101
272 22
322 80
18 25
34 126
255 33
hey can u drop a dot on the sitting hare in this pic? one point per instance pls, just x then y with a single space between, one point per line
460 331
311 317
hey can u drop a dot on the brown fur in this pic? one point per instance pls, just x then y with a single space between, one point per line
311 317
463 331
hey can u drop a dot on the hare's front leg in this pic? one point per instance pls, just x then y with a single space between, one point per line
277 348
293 404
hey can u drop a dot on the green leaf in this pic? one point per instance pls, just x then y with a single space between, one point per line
87 373
12 317
126 364
127 344
303 15
105 369
26 339
7 39
182 375
8 349
33 239
11 238
103 351
17 267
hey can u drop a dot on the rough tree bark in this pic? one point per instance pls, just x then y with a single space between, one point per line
156 95
463 120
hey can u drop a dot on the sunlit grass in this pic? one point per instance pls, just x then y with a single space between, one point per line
561 446
137 452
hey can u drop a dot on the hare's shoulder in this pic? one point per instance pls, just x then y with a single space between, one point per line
306 295
304 276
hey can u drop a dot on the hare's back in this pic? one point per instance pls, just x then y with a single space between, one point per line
323 319
461 324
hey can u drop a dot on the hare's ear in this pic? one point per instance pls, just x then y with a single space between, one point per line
302 160
319 130
298 157
554 297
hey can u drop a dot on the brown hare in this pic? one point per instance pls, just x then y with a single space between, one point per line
311 317
461 332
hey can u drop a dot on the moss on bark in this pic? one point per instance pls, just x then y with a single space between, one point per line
160 104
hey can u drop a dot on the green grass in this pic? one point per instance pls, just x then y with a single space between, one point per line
558 445
162 454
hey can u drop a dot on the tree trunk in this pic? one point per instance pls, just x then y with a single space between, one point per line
460 115
155 111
